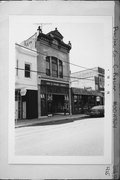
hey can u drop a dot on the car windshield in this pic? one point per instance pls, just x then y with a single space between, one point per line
98 107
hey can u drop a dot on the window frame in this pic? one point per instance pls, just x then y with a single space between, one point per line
27 71
54 64
60 69
48 69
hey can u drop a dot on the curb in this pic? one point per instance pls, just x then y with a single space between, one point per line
50 120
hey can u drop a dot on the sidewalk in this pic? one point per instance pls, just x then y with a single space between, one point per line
52 119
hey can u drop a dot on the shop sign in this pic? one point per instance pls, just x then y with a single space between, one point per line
51 83
58 90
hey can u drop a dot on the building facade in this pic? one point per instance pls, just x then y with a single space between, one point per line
87 89
91 79
25 83
53 72
82 100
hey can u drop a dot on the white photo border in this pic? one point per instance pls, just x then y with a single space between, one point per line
108 131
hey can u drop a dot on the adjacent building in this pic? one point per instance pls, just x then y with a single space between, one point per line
26 83
90 79
87 89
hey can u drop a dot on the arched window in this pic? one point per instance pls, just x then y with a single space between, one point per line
54 67
48 65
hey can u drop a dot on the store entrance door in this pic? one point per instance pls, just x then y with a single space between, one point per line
49 107
58 103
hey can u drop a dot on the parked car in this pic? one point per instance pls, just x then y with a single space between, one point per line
97 111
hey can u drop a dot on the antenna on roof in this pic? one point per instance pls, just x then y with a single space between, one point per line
41 24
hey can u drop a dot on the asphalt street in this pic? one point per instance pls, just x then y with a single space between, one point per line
78 138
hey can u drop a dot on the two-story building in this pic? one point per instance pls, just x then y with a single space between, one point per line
53 72
26 83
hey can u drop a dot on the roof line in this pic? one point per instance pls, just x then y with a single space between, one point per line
25 47
84 70
29 37
91 69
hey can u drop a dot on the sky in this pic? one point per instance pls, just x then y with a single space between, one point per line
90 40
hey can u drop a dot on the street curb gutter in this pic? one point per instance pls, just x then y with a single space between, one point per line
50 120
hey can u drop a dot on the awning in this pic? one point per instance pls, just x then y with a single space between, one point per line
26 86
85 92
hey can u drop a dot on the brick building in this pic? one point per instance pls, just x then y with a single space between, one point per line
53 72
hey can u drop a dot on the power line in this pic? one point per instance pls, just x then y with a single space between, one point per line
44 85
91 69
86 70
50 76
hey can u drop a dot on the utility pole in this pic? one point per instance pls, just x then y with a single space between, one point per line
39 96
70 102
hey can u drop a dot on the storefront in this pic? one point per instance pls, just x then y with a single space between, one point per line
83 100
54 97
26 104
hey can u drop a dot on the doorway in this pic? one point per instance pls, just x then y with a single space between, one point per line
49 107
24 109
58 103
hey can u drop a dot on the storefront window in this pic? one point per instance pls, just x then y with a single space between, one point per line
66 98
49 98
42 96
75 98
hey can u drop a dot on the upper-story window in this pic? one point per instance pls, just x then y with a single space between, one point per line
54 67
48 65
27 70
60 69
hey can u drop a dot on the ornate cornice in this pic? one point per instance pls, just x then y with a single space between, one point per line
53 42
